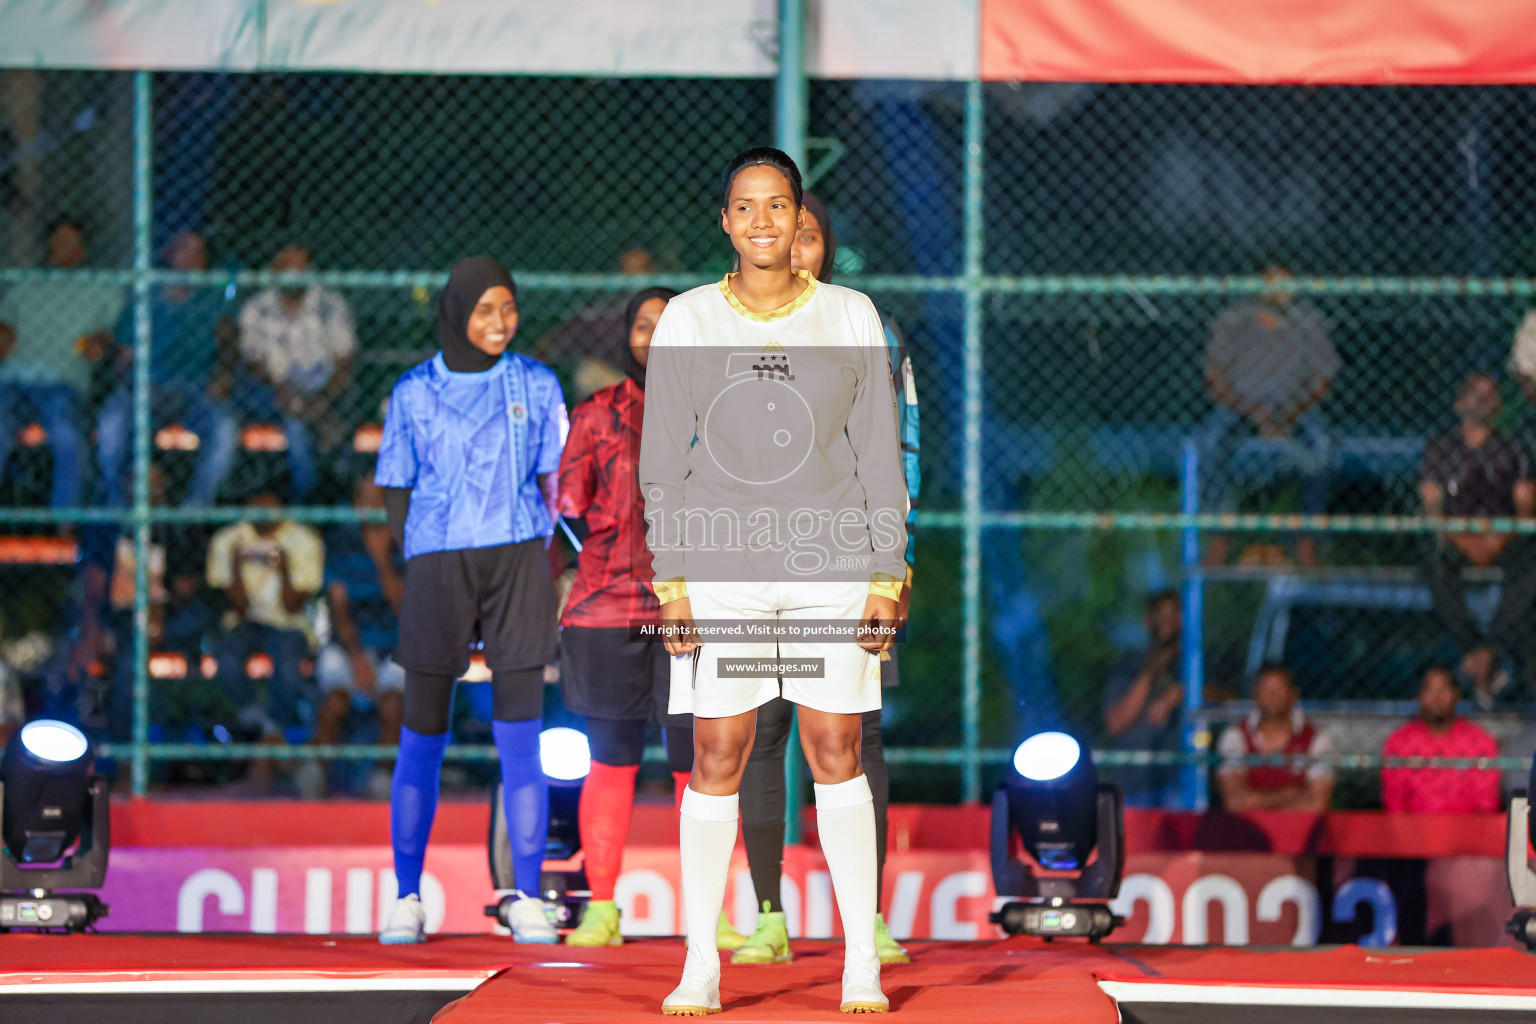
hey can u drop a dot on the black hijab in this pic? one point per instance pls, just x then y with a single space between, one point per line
828 239
470 279
631 312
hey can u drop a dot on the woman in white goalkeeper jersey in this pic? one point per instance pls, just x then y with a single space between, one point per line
771 470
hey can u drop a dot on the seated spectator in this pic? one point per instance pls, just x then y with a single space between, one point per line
364 585
13 710
1142 702
192 336
1474 470
1275 726
270 570
1440 732
1268 365
178 618
297 343
50 334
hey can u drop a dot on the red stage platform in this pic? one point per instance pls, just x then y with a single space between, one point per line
238 979
480 980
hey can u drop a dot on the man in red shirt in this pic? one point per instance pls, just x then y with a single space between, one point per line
1304 781
1440 732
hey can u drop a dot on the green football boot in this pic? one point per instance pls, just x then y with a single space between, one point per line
769 943
599 926
727 937
890 951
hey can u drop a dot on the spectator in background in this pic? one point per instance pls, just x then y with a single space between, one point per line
1269 363
178 618
1440 732
192 341
364 586
270 570
589 346
50 333
1142 701
1275 726
1522 356
13 710
1474 470
297 342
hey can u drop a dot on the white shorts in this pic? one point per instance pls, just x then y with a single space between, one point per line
850 683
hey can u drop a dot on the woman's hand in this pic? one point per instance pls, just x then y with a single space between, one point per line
878 623
677 627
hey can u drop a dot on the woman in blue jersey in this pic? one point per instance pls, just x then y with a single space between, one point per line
469 462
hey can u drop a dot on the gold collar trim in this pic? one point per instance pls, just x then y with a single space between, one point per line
789 309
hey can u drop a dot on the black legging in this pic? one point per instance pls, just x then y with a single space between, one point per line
621 743
517 696
763 798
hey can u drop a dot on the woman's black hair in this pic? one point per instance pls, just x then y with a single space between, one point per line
762 156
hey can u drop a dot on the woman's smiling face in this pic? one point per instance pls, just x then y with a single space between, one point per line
762 217
493 322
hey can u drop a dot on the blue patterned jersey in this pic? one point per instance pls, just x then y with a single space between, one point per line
471 446
906 417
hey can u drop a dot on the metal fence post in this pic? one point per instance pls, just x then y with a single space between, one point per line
970 655
143 143
789 134
790 89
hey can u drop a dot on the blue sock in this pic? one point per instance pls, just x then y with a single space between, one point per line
525 799
413 804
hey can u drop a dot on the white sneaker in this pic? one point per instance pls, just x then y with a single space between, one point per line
861 984
530 921
407 923
698 995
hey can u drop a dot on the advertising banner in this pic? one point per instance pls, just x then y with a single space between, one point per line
909 39
1260 41
1194 898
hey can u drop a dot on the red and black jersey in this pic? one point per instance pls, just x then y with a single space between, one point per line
1270 778
598 482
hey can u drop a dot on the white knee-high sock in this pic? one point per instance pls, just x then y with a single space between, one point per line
706 837
845 817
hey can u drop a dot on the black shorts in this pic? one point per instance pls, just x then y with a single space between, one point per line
502 595
890 671
603 674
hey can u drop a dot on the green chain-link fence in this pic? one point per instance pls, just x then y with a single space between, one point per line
1087 276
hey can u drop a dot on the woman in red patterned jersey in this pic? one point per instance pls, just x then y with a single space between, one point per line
619 684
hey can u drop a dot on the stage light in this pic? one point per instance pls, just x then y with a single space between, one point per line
1053 803
49 800
56 742
564 753
45 772
1047 756
1519 835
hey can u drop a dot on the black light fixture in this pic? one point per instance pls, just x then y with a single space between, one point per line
1053 803
1519 835
55 823
566 758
